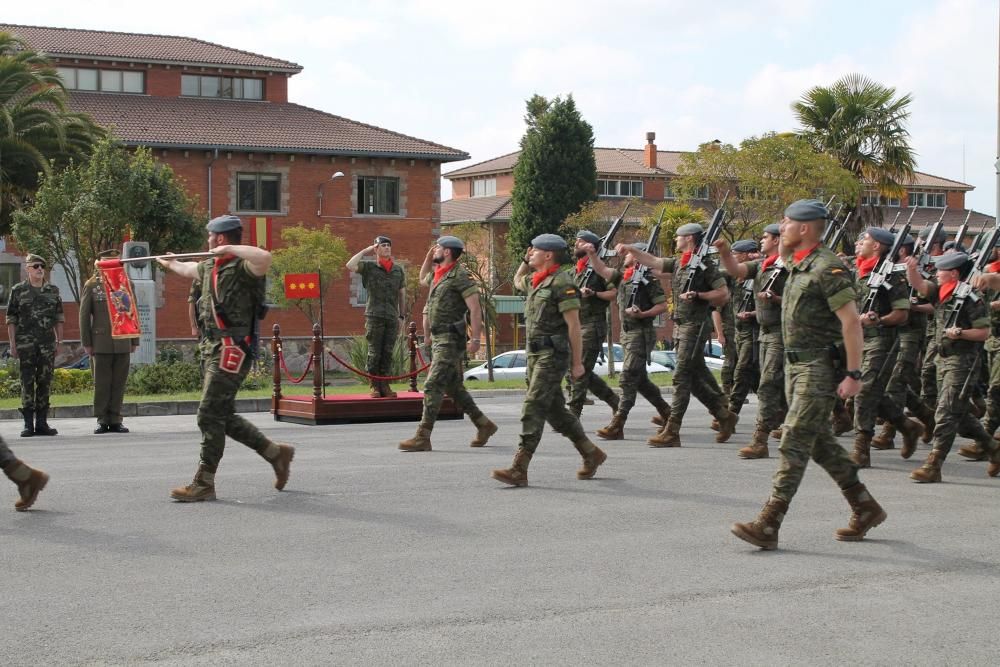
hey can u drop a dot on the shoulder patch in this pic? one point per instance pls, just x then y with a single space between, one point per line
570 291
835 271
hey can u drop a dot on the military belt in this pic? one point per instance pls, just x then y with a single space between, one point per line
453 328
805 356
540 343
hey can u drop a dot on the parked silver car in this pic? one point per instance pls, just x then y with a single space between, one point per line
514 366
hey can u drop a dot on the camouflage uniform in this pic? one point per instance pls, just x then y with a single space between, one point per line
729 327
35 312
381 313
746 373
240 294
904 382
111 357
594 330
992 351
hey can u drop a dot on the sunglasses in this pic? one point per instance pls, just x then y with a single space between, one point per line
36 266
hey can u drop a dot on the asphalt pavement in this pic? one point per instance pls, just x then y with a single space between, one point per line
374 556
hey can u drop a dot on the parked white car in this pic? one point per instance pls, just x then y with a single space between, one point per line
514 366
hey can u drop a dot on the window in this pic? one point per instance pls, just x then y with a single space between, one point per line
608 188
873 198
236 88
378 195
670 193
927 199
10 275
484 187
103 80
258 192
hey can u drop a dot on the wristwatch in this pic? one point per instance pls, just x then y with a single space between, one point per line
854 375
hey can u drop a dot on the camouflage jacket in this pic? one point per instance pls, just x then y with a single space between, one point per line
592 308
817 286
34 311
650 294
709 278
973 315
383 289
768 312
240 293
545 305
446 307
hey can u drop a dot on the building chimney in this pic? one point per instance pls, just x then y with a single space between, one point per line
715 145
650 157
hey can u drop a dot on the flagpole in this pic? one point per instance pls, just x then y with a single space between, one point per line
322 334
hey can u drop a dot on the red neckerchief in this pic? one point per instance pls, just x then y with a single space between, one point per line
769 262
945 290
386 264
440 271
627 276
538 276
581 265
866 266
993 267
222 259
685 258
802 254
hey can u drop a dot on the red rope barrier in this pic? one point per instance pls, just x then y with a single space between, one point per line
379 378
288 374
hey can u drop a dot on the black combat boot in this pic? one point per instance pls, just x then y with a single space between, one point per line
41 423
29 422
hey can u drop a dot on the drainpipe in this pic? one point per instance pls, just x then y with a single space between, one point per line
215 157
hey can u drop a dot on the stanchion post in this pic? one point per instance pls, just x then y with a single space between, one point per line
276 370
318 364
412 338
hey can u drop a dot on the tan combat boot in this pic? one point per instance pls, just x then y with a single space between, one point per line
862 450
484 430
201 488
777 433
757 449
841 420
376 391
658 420
884 440
910 429
662 411
930 471
972 452
386 389
866 514
926 416
420 442
593 457
30 483
280 457
727 425
517 473
615 430
993 469
613 402
668 436
763 531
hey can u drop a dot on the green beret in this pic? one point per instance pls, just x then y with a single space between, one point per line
953 260
774 229
805 210
883 236
746 245
690 229
32 258
589 237
223 224
951 245
451 242
548 242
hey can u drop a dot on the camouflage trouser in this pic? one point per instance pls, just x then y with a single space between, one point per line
544 400
747 373
637 344
217 416
381 334
692 375
872 401
992 421
807 433
445 377
36 361
928 373
594 335
771 390
6 456
729 350
905 380
954 414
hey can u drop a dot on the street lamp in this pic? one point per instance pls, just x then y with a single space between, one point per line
319 191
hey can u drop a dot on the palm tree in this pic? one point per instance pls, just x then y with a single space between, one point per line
37 132
863 125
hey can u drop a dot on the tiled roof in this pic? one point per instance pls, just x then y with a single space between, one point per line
498 165
130 46
929 181
475 209
192 122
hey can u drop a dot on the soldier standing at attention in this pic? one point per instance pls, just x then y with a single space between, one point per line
385 283
29 481
232 299
818 313
35 329
110 357
959 352
768 275
691 312
595 296
638 339
554 346
452 296
888 313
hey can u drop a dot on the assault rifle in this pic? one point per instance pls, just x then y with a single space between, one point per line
839 235
977 243
639 275
960 234
879 277
922 251
892 227
604 248
963 291
829 230
697 264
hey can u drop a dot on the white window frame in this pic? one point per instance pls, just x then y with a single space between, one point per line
102 79
484 187
612 187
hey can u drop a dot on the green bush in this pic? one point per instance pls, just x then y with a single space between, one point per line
357 355
64 381
160 378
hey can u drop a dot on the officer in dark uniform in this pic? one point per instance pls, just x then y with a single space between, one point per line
231 302
109 357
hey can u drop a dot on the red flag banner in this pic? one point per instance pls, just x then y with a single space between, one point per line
260 232
120 298
301 285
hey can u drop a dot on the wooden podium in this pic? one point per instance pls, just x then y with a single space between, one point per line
348 408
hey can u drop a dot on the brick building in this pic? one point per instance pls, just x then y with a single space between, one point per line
220 117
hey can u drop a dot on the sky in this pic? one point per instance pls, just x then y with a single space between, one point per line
459 73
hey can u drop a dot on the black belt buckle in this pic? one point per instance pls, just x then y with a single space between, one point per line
792 356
